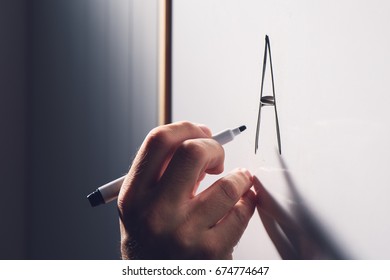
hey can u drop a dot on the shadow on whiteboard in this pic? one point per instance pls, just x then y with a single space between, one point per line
296 234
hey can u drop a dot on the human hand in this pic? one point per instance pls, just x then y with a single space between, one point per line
161 217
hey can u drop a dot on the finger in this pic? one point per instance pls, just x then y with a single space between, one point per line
190 162
157 149
230 229
215 202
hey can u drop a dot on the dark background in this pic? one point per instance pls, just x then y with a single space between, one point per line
78 89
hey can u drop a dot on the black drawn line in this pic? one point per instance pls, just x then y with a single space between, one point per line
267 100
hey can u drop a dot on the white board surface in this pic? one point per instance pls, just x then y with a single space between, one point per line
331 64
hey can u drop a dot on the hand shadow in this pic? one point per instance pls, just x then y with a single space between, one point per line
296 234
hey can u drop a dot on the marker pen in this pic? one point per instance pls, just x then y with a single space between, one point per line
110 191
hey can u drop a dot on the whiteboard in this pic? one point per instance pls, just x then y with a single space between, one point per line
331 66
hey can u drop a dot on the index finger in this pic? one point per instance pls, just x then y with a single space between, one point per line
217 200
157 150
190 162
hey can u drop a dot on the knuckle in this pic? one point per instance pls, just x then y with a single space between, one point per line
242 174
155 224
159 138
184 239
191 151
229 190
187 125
